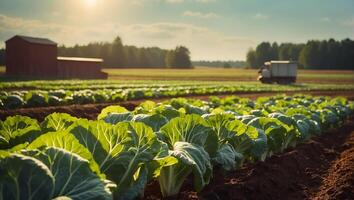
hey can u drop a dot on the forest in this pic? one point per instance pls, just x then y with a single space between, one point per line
221 63
315 54
118 55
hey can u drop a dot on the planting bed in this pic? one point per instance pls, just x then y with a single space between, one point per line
90 111
61 93
228 147
320 169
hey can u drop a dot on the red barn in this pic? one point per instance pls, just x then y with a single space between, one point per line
28 56
37 57
88 68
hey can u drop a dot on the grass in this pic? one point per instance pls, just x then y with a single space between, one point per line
2 69
221 74
199 72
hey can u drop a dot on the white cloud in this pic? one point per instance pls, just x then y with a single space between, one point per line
260 16
201 15
203 42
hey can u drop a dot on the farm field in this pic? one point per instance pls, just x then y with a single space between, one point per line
231 143
176 100
56 93
168 83
221 74
273 140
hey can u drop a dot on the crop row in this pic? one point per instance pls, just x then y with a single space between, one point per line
114 93
118 154
97 84
126 84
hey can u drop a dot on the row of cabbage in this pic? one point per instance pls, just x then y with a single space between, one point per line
41 98
96 84
38 98
75 85
117 155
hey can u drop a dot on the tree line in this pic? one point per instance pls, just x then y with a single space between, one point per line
2 57
221 64
315 54
116 55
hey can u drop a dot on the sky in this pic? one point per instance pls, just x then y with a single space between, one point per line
211 29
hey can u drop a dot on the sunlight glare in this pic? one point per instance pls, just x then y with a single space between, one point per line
91 3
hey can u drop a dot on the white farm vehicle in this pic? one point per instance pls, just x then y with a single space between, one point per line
281 72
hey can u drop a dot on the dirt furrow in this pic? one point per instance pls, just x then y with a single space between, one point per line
321 168
339 181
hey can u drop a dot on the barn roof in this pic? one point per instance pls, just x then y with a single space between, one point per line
35 40
80 59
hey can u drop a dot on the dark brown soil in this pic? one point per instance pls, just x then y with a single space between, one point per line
322 168
90 111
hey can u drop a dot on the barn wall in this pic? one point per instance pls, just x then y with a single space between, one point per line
27 59
43 60
80 69
39 60
16 57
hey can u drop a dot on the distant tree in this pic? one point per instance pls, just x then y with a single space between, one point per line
264 52
334 53
220 63
131 54
179 58
105 53
252 58
274 51
2 57
284 51
310 56
346 58
115 54
294 51
182 56
315 54
227 65
142 58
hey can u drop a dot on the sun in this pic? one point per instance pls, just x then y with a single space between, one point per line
90 3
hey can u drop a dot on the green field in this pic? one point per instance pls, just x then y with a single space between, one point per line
221 74
204 73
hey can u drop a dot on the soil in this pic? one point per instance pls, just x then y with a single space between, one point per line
91 111
322 168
